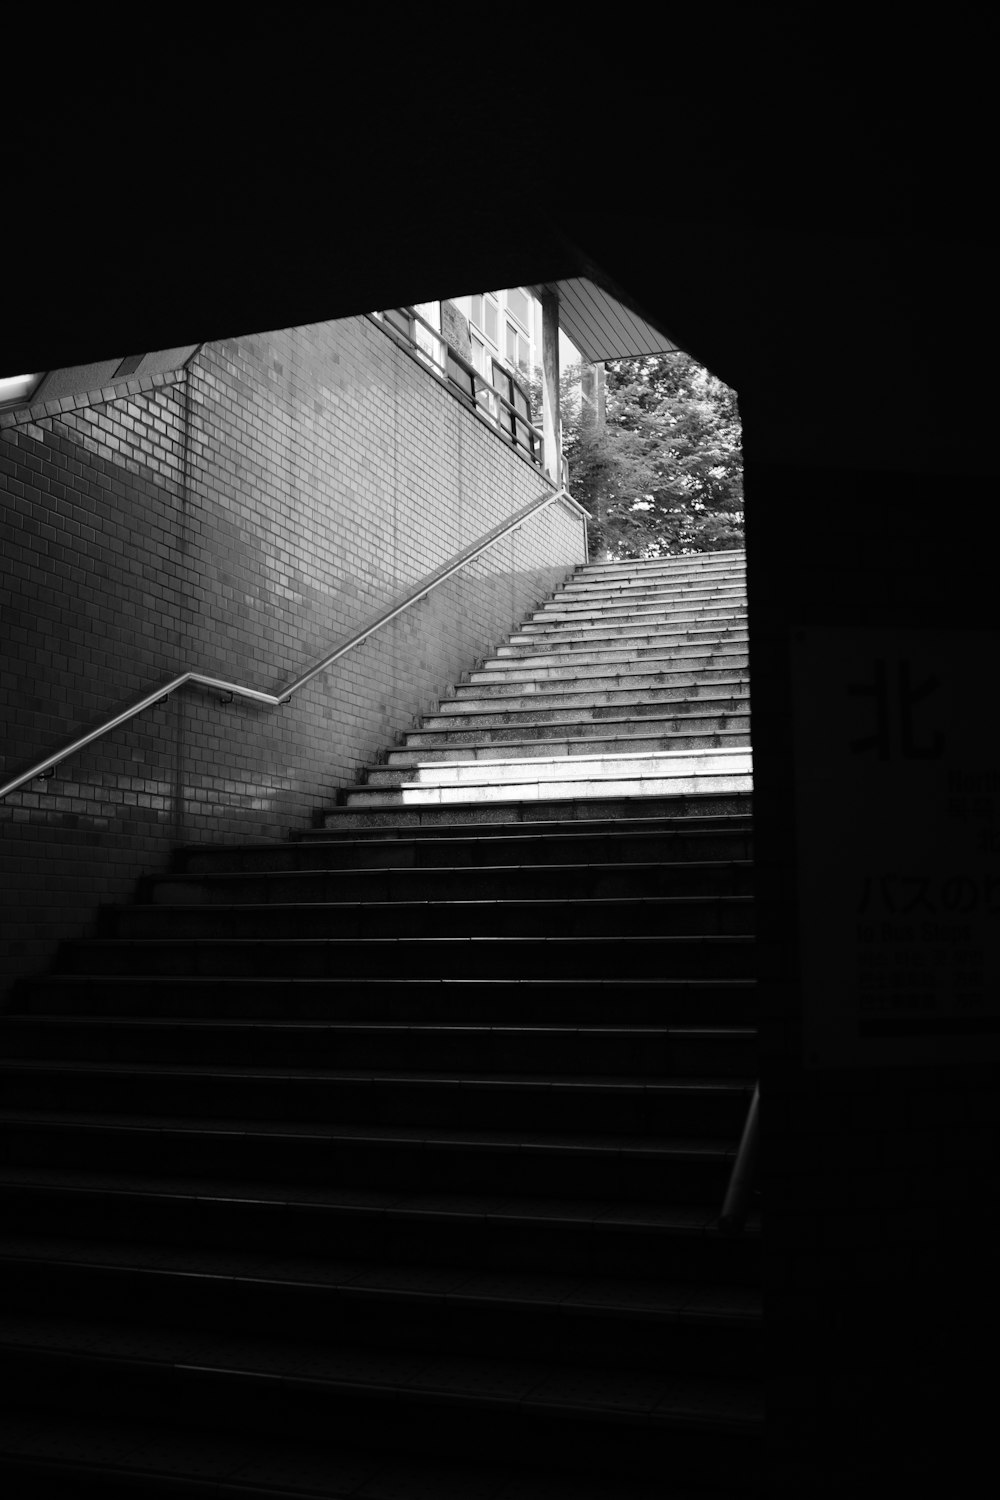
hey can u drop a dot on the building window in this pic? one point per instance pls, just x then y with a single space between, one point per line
517 349
425 341
431 311
517 306
485 316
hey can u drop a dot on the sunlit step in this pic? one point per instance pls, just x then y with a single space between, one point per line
666 773
721 655
594 657
626 609
580 594
584 767
671 567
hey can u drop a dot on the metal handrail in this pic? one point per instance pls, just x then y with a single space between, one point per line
442 365
736 1205
45 768
467 365
478 378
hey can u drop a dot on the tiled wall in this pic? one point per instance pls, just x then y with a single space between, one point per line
238 519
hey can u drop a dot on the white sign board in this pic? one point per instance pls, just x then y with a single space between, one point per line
897 803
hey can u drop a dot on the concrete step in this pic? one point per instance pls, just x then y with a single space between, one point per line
663 710
619 730
696 595
598 787
506 812
577 589
624 1051
631 610
574 645
616 652
400 764
683 659
608 957
406 767
391 1403
580 587
443 882
605 633
641 596
711 810
492 777
504 1313
731 555
601 691
676 602
667 617
568 652
341 1165
522 826
531 742
692 602
670 560
576 634
481 917
570 785
706 562
645 567
116 1456
619 698
613 650
559 641
683 827
707 1109
575 1002
645 839
588 577
389 810
662 764
573 639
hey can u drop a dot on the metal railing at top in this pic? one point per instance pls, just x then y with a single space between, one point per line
45 768
507 412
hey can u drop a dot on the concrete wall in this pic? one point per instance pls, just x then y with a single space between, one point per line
239 519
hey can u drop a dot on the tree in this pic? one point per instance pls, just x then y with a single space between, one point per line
665 475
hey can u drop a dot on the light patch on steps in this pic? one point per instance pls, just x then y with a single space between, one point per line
532 791
661 764
663 774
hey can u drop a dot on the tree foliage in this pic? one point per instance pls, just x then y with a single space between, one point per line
665 474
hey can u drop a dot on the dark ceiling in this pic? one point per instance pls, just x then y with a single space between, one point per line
768 185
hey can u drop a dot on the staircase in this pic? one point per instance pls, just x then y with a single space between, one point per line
387 1162
632 681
